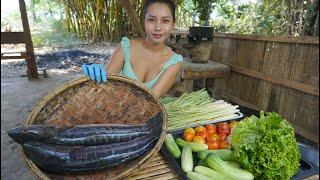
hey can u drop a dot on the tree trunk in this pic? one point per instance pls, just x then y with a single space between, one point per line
290 16
207 12
316 26
137 28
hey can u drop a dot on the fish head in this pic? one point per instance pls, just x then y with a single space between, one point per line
29 133
31 146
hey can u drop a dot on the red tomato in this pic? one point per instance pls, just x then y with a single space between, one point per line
223 137
199 139
211 129
200 128
191 130
223 128
202 134
188 136
213 145
213 138
223 145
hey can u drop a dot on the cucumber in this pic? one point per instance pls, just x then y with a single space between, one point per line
232 163
197 176
211 173
195 147
186 159
202 163
216 163
224 154
172 146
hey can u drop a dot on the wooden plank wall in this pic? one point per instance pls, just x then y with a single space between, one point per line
272 73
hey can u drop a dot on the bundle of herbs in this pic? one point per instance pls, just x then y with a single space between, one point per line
266 146
196 108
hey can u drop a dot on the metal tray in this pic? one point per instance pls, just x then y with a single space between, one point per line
218 120
306 169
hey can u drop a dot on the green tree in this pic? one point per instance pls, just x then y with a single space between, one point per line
203 8
312 14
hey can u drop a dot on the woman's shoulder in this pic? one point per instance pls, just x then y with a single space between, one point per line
175 56
131 42
125 42
136 41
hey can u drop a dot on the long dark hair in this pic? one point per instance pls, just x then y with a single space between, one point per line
169 3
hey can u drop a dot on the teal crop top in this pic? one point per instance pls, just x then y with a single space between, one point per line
127 68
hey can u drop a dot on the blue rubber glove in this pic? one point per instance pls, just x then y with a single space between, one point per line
96 72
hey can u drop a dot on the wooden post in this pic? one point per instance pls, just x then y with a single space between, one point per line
188 85
30 57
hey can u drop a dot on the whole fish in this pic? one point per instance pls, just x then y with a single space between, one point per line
66 159
84 135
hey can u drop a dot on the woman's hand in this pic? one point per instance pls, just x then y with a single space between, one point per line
96 72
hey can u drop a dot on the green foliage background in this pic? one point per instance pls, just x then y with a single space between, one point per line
59 22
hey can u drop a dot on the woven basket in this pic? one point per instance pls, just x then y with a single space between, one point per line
82 101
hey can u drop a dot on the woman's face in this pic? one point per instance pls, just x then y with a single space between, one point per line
158 23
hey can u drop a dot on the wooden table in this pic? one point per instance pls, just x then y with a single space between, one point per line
192 71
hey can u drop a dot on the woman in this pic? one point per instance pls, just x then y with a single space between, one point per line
146 60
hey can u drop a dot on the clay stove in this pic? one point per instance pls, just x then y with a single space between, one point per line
201 37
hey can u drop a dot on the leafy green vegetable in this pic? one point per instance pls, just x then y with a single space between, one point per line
266 146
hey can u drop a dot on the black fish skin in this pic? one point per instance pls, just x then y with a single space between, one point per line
35 133
84 135
90 135
65 159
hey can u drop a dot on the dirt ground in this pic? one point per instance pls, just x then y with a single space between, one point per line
19 95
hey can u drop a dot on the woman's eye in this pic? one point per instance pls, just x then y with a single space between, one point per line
166 21
151 20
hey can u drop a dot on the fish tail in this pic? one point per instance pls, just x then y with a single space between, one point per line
155 124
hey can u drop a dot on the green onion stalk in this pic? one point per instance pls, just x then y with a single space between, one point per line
195 108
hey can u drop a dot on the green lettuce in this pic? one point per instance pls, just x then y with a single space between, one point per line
266 146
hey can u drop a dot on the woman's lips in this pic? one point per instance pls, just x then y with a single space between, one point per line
157 36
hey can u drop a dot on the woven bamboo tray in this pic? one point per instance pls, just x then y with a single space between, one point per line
155 168
82 101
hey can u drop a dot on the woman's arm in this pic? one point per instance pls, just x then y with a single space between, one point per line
115 64
166 81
